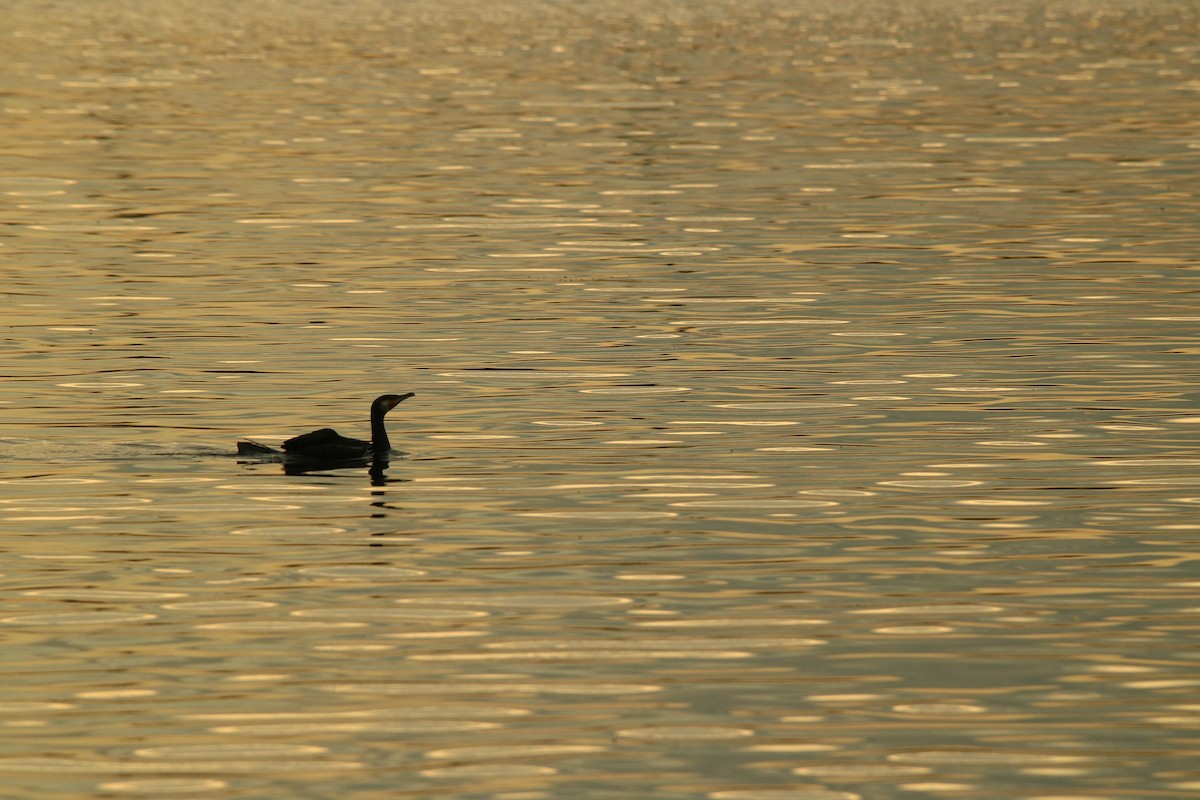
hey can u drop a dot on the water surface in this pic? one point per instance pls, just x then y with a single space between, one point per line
805 400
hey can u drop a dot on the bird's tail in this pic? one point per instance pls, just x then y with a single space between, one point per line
254 449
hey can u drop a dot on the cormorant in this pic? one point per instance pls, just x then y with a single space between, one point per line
327 446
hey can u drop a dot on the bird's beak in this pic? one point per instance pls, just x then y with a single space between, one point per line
401 399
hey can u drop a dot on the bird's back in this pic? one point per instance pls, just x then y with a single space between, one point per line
326 444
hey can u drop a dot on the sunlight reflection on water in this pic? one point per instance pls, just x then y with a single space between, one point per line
803 405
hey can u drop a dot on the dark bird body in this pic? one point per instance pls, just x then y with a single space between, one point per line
327 446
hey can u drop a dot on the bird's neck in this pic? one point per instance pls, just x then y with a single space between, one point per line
379 437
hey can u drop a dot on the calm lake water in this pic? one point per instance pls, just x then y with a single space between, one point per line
805 399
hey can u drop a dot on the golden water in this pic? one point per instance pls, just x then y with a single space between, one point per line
805 399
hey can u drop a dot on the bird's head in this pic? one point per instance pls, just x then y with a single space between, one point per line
385 403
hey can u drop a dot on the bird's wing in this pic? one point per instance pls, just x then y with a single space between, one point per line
305 441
